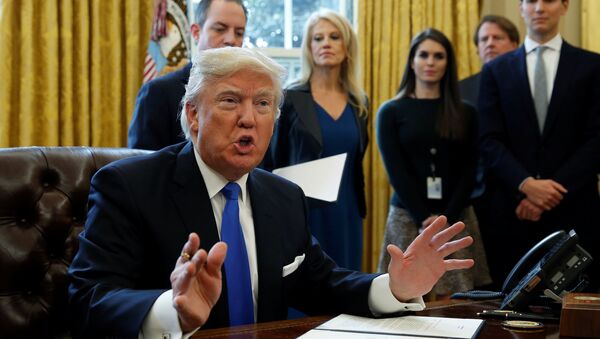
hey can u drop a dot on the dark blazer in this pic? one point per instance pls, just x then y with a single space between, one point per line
155 122
568 150
297 137
141 212
469 88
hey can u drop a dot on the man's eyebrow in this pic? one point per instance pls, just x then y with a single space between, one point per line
229 90
265 92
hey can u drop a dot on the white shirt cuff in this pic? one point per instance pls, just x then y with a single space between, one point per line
382 301
162 321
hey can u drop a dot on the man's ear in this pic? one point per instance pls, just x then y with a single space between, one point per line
195 29
191 113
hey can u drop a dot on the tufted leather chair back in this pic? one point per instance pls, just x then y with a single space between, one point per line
43 206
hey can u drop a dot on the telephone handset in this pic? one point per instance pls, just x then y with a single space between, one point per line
552 264
532 256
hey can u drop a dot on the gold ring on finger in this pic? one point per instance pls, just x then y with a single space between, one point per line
185 256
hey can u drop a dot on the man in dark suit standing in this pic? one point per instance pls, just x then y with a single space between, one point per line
155 123
540 137
494 36
153 258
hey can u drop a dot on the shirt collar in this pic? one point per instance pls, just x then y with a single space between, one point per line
215 181
554 43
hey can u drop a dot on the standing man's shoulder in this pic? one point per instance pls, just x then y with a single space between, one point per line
508 59
584 54
154 121
179 76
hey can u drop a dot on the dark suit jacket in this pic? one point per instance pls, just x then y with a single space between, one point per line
155 123
469 88
141 212
568 150
297 137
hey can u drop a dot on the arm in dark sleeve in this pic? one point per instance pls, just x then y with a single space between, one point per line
493 134
103 298
584 163
395 163
323 287
461 195
150 124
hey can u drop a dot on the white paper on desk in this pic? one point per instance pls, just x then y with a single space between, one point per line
349 326
319 179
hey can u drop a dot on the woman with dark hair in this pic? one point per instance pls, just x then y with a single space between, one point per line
428 141
324 113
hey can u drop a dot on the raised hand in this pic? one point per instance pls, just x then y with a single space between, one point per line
414 272
196 282
428 221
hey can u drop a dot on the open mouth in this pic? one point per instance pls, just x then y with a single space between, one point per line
245 141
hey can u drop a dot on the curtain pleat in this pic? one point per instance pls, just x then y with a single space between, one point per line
71 70
590 32
385 29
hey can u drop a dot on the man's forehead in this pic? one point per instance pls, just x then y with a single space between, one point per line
245 81
487 26
227 13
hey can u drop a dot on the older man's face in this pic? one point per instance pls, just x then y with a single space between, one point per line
492 41
232 123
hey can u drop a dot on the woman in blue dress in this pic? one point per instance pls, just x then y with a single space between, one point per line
325 113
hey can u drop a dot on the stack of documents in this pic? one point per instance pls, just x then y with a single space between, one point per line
349 326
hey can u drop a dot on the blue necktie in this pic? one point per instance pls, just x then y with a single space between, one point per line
237 270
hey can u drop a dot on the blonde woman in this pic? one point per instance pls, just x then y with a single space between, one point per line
325 113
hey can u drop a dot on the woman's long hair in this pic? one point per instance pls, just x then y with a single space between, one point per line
450 118
349 74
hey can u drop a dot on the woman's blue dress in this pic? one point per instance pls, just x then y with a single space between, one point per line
338 226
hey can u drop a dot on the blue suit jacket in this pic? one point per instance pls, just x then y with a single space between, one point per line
297 137
141 212
568 150
155 122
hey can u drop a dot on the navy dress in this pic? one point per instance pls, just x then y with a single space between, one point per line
338 226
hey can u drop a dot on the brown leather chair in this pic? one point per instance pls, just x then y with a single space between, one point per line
43 206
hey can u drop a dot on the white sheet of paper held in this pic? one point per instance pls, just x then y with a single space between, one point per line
319 179
349 326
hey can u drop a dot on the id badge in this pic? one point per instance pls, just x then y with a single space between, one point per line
434 188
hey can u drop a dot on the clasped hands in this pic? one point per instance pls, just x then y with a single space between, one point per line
196 282
541 195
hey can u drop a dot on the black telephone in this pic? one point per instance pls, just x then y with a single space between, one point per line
552 267
559 262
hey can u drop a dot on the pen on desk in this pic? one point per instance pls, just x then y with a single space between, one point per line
513 315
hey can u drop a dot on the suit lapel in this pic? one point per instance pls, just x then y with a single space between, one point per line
560 88
305 107
269 250
525 89
191 198
193 204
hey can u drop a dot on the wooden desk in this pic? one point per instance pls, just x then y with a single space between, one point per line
450 308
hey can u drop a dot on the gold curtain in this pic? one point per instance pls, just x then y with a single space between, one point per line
590 33
71 70
385 28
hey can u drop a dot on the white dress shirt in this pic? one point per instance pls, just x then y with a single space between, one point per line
551 57
162 320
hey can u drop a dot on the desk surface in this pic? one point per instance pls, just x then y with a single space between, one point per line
450 308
